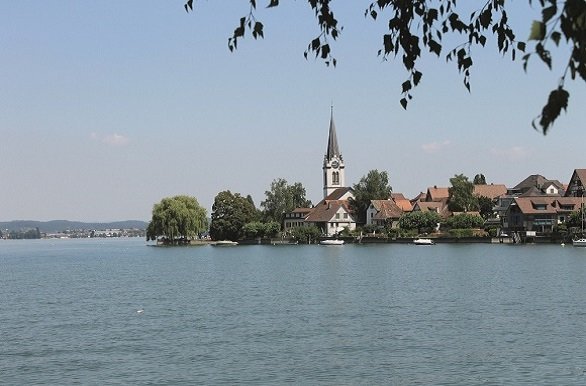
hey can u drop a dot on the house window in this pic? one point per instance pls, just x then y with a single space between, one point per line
337 216
346 215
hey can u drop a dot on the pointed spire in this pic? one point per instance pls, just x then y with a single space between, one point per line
333 149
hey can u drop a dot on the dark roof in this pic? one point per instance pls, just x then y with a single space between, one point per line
577 183
538 181
337 194
333 149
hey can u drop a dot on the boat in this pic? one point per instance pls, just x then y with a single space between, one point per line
421 241
579 242
225 243
332 242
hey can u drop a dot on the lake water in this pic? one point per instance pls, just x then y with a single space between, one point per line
356 314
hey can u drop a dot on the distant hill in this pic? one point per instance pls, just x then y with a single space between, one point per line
61 225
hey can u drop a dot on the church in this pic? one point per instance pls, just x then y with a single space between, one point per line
332 214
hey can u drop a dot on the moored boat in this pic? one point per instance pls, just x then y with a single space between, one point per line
421 241
225 243
579 242
332 242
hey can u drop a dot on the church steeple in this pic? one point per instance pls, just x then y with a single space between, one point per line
333 166
333 149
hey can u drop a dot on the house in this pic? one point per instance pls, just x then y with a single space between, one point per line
436 200
435 194
381 212
540 183
296 218
540 213
533 186
402 202
576 187
333 214
440 207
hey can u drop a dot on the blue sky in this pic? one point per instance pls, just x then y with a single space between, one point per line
107 107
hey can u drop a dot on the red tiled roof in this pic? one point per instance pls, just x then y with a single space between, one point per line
386 209
491 191
326 210
441 207
437 194
302 210
547 205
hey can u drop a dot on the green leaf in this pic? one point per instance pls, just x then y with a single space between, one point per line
521 46
273 3
537 30
406 86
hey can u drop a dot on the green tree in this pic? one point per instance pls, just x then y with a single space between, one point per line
417 27
576 219
373 186
462 197
464 221
230 212
261 229
419 220
479 179
282 198
175 218
485 207
306 234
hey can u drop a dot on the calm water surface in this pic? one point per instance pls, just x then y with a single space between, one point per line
388 314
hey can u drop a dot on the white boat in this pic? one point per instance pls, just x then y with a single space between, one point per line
421 241
332 242
579 242
225 243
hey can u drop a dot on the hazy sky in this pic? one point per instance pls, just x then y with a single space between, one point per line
107 107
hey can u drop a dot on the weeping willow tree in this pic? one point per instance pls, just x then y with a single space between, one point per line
177 219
